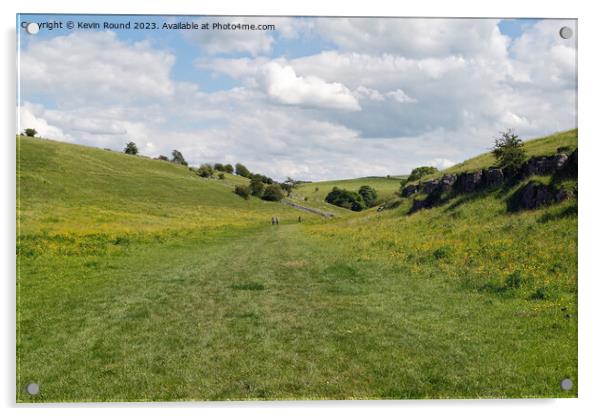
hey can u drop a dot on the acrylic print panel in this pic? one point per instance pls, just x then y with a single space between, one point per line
286 208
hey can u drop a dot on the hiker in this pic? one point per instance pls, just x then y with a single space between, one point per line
273 221
276 220
299 218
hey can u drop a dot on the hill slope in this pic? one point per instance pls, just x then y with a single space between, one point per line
71 188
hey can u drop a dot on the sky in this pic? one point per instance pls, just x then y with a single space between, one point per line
314 99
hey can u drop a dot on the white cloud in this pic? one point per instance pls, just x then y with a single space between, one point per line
283 85
384 106
95 66
29 118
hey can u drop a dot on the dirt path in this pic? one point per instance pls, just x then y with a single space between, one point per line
307 209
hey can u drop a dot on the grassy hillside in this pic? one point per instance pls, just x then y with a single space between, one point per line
66 188
138 280
544 146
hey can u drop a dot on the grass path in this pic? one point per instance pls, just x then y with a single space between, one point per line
275 314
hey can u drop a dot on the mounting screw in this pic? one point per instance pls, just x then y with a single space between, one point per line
566 32
32 388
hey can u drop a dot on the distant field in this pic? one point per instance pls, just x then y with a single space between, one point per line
139 281
313 194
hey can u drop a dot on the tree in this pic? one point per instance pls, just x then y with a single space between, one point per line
346 199
228 168
509 150
218 167
205 171
243 191
131 148
368 194
30 132
421 171
178 158
273 192
256 186
241 170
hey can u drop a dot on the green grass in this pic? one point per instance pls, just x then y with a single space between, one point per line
138 280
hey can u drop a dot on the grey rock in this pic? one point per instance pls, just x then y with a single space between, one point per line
543 165
409 190
471 181
493 177
534 195
430 185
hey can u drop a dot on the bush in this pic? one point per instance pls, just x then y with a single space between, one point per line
162 157
368 194
273 192
228 168
419 172
241 170
221 176
131 148
219 167
205 171
345 199
243 191
30 132
509 151
256 187
178 158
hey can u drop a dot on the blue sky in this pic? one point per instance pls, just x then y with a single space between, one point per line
325 97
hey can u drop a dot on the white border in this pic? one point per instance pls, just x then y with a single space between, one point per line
590 288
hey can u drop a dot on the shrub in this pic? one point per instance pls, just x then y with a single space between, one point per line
162 157
221 176
30 132
273 192
256 187
243 191
420 172
131 148
178 158
219 167
228 168
241 170
368 194
345 199
564 149
509 151
205 171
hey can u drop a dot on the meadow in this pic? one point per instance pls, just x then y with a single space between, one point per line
139 281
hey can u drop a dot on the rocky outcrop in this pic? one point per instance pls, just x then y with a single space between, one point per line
543 165
470 181
534 195
442 184
493 177
409 190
